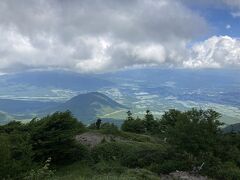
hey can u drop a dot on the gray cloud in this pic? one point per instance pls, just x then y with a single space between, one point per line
97 35
233 3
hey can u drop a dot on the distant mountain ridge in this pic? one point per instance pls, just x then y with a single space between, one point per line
22 106
234 128
87 107
57 79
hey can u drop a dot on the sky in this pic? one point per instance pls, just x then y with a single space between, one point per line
98 36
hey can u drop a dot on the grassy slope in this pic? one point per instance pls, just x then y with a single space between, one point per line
105 170
81 171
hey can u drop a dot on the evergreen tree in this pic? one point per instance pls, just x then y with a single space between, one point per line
53 136
98 123
151 125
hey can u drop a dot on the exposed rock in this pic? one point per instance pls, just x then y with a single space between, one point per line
92 139
181 175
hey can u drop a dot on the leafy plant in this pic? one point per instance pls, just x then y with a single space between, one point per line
42 173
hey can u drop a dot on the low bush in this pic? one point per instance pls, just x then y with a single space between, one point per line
41 173
129 154
109 151
109 128
141 174
142 157
229 171
134 125
15 155
104 167
52 136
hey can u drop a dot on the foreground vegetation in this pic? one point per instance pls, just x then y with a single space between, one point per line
145 148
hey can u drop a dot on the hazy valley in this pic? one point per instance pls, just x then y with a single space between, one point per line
27 95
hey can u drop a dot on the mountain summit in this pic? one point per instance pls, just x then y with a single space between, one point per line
87 107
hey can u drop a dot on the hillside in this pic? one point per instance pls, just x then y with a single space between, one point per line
23 106
157 89
87 107
21 109
235 128
180 145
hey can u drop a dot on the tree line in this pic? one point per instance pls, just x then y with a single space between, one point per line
188 141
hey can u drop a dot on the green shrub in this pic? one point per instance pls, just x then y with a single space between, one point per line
53 136
141 174
13 127
42 173
104 167
134 125
147 125
109 128
5 157
168 166
142 157
77 170
15 155
229 171
129 154
212 164
173 161
139 137
109 151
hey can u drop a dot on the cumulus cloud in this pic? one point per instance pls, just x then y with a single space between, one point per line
215 52
235 14
233 3
221 3
235 6
100 36
95 36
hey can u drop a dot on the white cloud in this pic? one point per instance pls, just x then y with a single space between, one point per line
233 3
97 37
93 36
235 14
150 53
215 52
228 26
235 7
